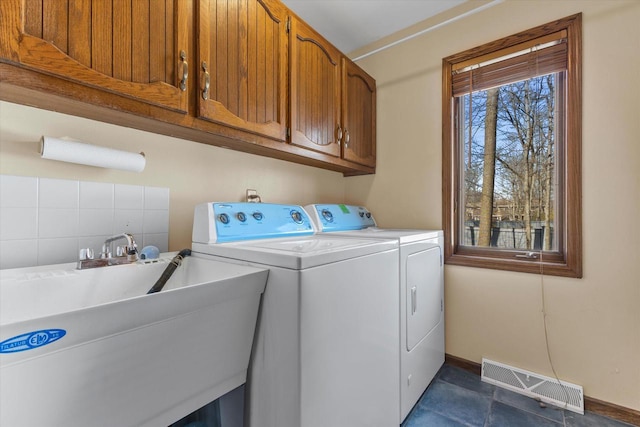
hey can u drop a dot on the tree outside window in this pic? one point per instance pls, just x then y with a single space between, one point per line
508 138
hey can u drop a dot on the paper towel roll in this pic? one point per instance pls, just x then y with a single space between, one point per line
92 155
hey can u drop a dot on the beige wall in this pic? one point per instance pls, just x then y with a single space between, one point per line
594 322
193 172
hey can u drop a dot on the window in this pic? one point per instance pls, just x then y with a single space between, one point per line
512 150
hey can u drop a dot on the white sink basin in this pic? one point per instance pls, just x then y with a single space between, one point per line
89 347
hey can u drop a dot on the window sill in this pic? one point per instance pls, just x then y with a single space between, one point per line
535 266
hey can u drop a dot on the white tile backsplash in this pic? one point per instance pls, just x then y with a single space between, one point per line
18 223
18 191
58 193
57 223
155 221
159 240
46 221
18 253
57 251
96 222
128 220
129 196
96 195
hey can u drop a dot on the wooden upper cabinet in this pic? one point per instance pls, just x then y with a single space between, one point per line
243 65
247 74
315 90
358 115
127 47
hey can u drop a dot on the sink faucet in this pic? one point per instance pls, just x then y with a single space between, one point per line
130 254
131 249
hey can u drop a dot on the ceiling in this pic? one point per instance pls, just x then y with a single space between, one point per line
352 24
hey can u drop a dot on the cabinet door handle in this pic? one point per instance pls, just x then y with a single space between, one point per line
207 81
339 135
185 70
346 138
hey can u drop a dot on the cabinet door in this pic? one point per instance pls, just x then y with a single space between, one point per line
315 90
128 47
243 65
359 115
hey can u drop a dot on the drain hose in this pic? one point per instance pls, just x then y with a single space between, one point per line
168 272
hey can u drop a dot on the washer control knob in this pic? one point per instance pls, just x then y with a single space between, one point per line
361 214
241 216
223 218
257 216
368 215
327 215
296 216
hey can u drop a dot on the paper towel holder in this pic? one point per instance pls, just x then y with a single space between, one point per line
69 150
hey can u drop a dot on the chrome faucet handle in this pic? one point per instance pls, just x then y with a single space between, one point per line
85 253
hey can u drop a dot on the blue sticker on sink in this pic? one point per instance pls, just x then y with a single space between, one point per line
31 340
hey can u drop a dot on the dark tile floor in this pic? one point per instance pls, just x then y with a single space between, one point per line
457 398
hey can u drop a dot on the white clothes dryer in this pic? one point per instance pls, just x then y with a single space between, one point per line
421 290
325 352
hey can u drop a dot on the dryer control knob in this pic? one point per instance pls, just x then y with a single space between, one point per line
223 218
327 215
241 216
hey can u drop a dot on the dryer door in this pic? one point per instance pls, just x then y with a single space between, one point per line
424 294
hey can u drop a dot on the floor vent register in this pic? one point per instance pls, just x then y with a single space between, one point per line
545 389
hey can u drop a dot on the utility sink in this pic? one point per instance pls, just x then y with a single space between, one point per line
89 347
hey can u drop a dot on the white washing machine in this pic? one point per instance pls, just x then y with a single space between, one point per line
421 289
326 351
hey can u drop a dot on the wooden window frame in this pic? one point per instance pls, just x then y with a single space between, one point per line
567 260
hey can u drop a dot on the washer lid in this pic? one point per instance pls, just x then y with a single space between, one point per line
298 253
402 235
